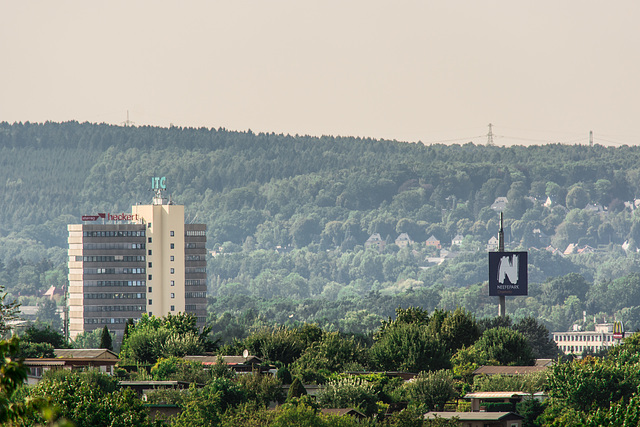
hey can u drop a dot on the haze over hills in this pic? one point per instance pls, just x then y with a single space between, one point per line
288 218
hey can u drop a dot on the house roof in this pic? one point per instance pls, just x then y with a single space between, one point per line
342 411
432 239
230 360
495 394
374 237
85 353
403 236
508 370
474 416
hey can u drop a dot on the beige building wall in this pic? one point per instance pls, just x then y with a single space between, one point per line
165 257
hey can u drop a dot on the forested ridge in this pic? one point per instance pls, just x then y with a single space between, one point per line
288 217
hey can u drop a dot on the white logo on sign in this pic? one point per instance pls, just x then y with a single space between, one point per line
508 267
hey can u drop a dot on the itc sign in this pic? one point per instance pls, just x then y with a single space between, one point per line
508 273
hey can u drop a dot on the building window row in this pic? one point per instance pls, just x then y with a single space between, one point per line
195 295
129 233
194 245
118 245
190 307
111 258
115 295
194 282
582 338
125 270
98 320
94 308
196 233
114 283
195 270
195 258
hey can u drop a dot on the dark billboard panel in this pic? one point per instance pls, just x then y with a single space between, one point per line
508 273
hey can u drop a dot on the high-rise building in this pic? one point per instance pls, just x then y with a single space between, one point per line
148 261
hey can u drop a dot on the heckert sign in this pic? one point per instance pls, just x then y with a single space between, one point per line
508 273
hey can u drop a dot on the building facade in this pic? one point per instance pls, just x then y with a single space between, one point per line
575 342
148 261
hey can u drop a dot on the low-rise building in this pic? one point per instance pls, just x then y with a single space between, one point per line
577 341
376 241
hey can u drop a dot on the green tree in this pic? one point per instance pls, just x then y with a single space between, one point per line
409 347
348 392
433 389
296 389
506 346
105 339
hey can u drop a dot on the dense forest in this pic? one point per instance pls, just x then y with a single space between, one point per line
288 217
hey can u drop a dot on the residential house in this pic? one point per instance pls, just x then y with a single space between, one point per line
71 359
376 241
457 240
492 244
499 204
403 240
432 241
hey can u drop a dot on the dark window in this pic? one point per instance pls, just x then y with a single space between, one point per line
173 308
171 257
150 289
149 251
150 302
171 233
173 270
172 246
149 239
149 278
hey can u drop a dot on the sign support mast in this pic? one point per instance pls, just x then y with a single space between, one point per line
502 299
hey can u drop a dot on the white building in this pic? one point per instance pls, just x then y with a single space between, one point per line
576 341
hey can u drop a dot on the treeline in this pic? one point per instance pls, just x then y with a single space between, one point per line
317 199
442 347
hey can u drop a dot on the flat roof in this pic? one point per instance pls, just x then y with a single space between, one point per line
474 416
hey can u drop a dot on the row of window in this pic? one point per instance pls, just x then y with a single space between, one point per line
94 308
195 270
195 258
115 283
125 270
192 245
583 338
196 232
115 295
119 245
131 233
195 295
577 348
111 258
194 282
98 320
190 307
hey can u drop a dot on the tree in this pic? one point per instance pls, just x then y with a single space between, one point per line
506 346
8 311
411 348
539 337
347 392
90 399
433 389
296 389
105 339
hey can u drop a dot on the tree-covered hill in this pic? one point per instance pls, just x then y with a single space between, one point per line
288 216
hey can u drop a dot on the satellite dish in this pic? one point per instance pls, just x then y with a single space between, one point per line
245 353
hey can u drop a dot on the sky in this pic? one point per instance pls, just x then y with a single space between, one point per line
417 71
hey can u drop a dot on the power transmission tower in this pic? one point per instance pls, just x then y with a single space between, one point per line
490 135
128 122
590 138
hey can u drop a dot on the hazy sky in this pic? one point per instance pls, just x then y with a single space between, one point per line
430 71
